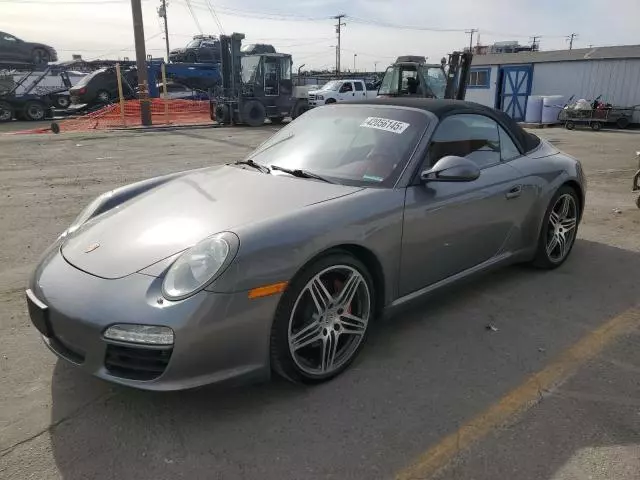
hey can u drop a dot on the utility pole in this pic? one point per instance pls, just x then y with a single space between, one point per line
338 32
535 44
570 38
471 33
375 67
354 61
162 13
141 62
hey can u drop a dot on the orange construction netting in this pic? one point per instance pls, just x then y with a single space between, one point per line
163 112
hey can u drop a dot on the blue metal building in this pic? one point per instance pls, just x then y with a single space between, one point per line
506 80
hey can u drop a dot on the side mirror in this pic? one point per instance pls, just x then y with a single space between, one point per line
451 169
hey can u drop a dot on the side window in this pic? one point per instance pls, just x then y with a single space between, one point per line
285 68
471 136
508 149
358 86
346 87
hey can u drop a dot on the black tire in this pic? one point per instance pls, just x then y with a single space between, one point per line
253 113
103 97
570 125
282 361
596 126
542 258
622 123
329 101
276 120
62 101
299 108
6 111
40 56
55 127
34 111
638 202
222 114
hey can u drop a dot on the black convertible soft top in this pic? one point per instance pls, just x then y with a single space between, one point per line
443 108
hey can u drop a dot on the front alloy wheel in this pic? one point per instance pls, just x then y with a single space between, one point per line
328 310
329 320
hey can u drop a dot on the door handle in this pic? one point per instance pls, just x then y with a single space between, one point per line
514 192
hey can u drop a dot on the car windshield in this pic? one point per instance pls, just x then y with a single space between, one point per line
332 85
359 145
87 78
193 44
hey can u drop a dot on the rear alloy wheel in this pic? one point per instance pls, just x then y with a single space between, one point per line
62 101
40 56
34 111
103 97
559 229
322 320
6 111
596 126
570 125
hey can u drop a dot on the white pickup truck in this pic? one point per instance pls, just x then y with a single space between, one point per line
341 91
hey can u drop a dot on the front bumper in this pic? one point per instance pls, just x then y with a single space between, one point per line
217 336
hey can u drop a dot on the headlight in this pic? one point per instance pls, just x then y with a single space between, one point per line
199 266
320 97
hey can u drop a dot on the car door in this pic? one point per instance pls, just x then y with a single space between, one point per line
10 48
206 52
346 92
450 227
360 93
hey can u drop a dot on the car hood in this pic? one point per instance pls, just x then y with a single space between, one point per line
175 215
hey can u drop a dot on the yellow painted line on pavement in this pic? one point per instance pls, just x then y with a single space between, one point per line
522 397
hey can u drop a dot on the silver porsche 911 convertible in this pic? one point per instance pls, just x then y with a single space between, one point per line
281 261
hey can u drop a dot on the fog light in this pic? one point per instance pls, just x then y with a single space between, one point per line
145 334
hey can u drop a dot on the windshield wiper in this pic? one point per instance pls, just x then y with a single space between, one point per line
253 164
296 172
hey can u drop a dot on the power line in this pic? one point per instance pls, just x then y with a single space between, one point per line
215 15
132 47
378 23
195 19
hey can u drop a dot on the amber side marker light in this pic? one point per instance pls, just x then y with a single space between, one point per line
267 290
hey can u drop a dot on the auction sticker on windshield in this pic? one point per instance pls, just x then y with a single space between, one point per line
385 124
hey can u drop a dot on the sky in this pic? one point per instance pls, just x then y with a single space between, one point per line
376 31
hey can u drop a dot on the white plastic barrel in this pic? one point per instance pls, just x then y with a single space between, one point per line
551 106
534 109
